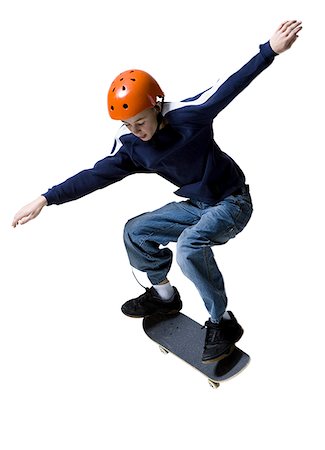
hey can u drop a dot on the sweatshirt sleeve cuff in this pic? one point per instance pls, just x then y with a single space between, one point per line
267 51
47 195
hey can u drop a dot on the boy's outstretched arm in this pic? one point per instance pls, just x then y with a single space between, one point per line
285 36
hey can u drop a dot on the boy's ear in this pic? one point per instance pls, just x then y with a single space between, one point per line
157 107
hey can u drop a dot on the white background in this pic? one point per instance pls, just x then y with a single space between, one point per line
77 374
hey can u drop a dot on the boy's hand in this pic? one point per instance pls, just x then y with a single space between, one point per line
29 211
285 36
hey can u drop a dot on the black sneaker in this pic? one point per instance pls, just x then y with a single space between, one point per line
150 303
220 339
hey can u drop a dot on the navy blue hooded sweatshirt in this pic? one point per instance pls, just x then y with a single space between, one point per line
183 152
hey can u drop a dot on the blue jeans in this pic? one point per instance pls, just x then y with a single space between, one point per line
196 227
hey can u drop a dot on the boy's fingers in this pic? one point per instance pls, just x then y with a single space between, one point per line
20 219
15 221
281 27
292 26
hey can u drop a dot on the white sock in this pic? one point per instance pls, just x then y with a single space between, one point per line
226 316
165 291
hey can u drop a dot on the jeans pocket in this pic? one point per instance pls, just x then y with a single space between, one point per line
245 210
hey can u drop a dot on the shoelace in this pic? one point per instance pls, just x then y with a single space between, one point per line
213 334
138 280
142 298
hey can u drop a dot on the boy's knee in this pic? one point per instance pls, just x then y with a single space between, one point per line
130 227
183 251
134 227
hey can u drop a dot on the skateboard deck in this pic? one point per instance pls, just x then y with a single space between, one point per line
183 337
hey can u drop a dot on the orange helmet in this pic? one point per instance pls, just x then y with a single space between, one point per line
130 93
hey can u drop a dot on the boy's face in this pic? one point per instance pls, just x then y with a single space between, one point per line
144 124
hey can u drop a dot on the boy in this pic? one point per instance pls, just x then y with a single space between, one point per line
176 141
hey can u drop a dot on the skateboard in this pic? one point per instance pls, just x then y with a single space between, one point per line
183 337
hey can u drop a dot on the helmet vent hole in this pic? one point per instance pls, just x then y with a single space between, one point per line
121 79
125 106
123 88
112 108
132 79
114 89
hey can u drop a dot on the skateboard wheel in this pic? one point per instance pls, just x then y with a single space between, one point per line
163 350
213 384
